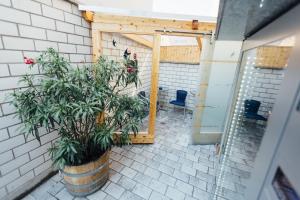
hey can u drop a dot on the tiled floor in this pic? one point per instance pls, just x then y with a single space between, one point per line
235 168
168 169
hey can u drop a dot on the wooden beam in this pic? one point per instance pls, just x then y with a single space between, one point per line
96 40
142 138
154 83
88 16
180 54
139 39
199 42
138 25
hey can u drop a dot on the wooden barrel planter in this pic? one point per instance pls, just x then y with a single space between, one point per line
85 179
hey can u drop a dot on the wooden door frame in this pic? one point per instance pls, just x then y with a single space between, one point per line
144 26
141 137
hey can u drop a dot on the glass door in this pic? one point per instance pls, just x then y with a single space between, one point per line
261 73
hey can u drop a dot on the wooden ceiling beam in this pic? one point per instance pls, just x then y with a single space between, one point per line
199 42
138 25
139 39
88 16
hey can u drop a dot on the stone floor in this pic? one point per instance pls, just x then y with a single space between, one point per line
170 168
236 164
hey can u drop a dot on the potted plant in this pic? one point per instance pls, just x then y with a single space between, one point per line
86 106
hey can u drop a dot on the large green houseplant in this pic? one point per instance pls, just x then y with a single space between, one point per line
73 102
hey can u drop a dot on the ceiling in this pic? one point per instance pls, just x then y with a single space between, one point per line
203 10
239 19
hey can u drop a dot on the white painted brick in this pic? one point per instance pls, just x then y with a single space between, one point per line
9 119
8 28
88 58
6 156
75 39
61 4
14 15
82 31
268 86
26 147
47 156
75 10
3 192
32 32
5 2
44 45
106 51
18 43
22 69
11 143
14 164
3 134
71 18
31 54
8 56
87 41
5 96
52 12
9 178
83 49
77 58
275 81
15 130
64 27
48 2
85 23
20 181
49 137
42 167
28 6
4 70
67 48
9 83
8 108
42 22
31 165
56 36
39 151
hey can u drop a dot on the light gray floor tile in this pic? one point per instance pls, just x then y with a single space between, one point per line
175 194
64 195
114 190
130 173
142 190
99 195
127 183
158 186
152 172
158 196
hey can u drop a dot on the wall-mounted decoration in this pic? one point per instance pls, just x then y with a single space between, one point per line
114 42
275 57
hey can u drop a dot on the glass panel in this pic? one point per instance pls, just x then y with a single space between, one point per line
262 72
114 46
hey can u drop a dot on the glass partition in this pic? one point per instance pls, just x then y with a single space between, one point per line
261 73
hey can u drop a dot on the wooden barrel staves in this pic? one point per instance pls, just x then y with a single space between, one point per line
85 179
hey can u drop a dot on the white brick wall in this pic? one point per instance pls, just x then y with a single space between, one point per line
266 87
29 27
144 56
173 76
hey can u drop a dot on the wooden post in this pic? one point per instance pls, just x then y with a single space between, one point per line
96 39
199 42
154 83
